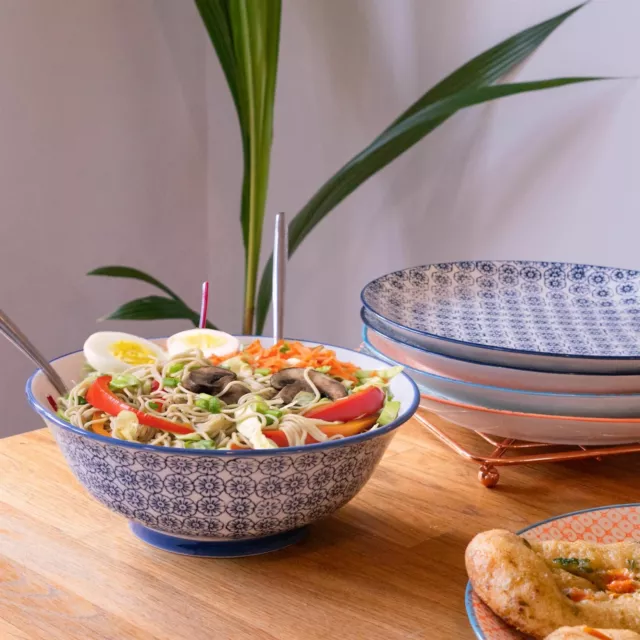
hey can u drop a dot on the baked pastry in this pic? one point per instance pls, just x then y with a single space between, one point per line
588 633
539 587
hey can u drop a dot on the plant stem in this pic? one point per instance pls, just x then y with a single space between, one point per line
253 238
258 30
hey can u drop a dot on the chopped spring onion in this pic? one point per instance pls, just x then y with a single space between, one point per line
262 407
272 415
123 381
175 367
577 564
170 382
200 444
190 437
208 403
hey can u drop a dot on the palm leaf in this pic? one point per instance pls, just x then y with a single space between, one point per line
215 15
151 307
396 141
155 308
117 271
246 35
464 87
491 65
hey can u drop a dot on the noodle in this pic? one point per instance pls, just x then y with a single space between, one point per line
147 390
297 428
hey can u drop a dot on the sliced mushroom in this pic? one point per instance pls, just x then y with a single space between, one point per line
327 386
234 392
288 393
211 380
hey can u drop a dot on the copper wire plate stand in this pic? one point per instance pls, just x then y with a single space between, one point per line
508 452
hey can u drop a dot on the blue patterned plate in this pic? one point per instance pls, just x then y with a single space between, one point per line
545 316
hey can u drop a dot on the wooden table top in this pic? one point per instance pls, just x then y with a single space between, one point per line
387 566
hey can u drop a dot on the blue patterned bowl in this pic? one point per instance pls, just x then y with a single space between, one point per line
543 316
220 503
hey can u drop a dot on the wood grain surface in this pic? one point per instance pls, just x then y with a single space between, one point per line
387 566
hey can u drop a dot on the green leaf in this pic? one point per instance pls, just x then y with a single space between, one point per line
427 113
215 15
151 307
491 65
118 271
395 141
155 308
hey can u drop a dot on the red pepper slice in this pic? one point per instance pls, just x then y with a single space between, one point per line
360 404
278 436
346 429
101 397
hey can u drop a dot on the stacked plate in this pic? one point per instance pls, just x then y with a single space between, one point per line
540 351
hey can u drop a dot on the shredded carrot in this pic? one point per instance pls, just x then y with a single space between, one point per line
280 355
216 360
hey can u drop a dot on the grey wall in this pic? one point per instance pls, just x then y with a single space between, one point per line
102 161
120 145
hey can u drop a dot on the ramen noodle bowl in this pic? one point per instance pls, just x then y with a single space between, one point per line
220 502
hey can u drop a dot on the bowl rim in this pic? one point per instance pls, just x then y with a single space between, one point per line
46 413
378 355
524 352
522 414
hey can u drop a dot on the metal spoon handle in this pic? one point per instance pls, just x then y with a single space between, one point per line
13 334
280 250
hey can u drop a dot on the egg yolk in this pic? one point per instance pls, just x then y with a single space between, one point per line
203 341
132 353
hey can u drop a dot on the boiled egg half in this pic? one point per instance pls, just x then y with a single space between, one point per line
114 351
209 341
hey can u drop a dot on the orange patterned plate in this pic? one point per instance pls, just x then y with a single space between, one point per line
605 524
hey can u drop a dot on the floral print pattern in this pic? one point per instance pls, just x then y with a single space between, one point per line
218 497
542 307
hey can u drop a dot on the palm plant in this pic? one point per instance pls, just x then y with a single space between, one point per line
245 35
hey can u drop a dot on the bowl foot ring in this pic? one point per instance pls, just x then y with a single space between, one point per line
217 548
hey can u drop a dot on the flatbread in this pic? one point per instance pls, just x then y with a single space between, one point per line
540 587
587 633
